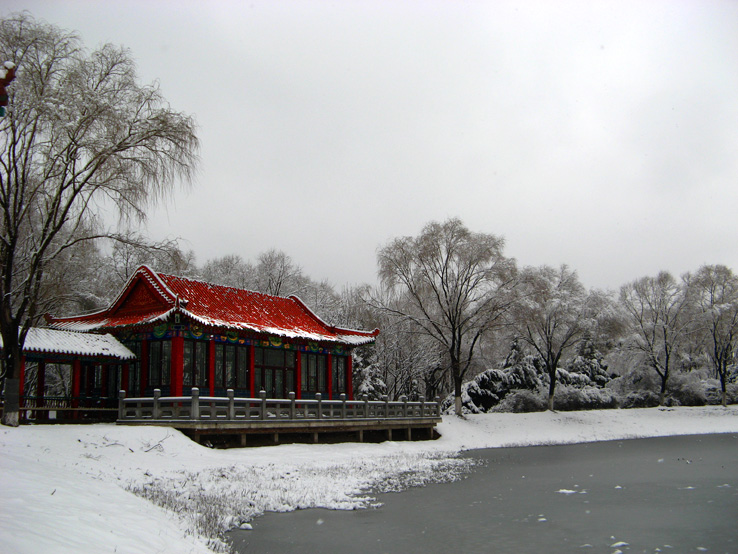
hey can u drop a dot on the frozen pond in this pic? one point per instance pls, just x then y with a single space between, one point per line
672 494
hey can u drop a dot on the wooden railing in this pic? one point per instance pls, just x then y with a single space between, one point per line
233 409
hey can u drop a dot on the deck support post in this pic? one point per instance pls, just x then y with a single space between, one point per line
389 434
292 405
315 437
361 435
121 404
243 439
276 438
231 405
195 406
155 408
409 433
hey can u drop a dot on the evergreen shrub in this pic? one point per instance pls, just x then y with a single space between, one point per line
569 398
520 401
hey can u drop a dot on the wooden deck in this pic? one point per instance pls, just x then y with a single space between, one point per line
207 418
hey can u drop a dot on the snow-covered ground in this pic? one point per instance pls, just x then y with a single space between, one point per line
66 489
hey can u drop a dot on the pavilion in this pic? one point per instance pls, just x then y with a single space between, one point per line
184 333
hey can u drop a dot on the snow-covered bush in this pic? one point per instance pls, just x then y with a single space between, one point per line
565 378
686 389
714 393
488 388
640 399
520 401
570 398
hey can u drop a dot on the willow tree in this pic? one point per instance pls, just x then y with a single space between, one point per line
452 284
79 131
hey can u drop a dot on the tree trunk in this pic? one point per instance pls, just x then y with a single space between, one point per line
457 395
662 393
11 406
551 389
12 360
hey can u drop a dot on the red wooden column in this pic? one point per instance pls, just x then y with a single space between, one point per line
211 365
144 366
252 368
349 377
40 385
176 367
329 375
298 375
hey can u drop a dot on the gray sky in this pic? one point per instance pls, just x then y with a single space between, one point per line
603 135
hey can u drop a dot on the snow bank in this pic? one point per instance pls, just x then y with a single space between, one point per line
68 488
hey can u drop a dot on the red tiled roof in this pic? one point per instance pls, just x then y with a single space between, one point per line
150 297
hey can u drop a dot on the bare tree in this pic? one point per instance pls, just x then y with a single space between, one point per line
276 273
80 131
713 294
656 309
454 285
552 313
230 270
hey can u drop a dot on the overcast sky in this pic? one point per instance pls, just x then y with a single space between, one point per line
603 135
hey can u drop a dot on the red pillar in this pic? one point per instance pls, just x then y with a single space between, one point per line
252 366
329 375
211 365
349 377
298 375
144 366
176 368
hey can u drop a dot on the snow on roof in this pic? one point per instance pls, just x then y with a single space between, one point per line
150 297
54 341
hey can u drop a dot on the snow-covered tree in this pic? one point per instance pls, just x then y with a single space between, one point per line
79 131
231 270
657 312
453 285
713 294
552 312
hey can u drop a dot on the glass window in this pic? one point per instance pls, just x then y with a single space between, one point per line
188 363
242 376
160 359
230 366
219 357
155 364
339 374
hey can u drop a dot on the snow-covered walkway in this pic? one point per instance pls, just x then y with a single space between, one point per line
65 489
